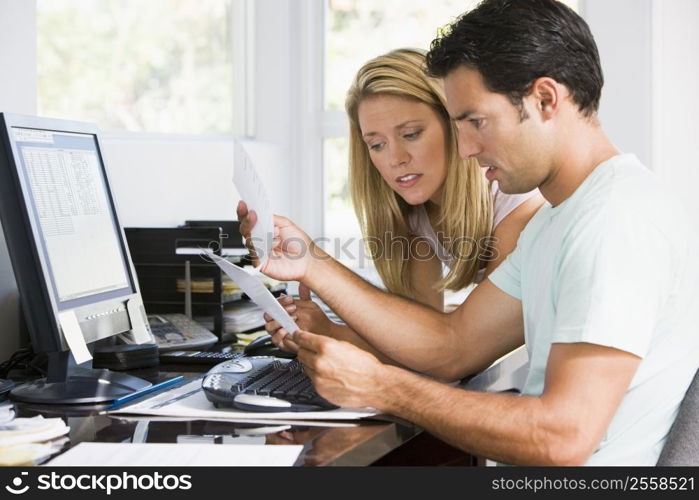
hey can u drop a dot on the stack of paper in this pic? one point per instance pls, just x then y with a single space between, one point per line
238 317
20 438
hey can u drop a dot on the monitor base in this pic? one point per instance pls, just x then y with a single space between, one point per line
82 387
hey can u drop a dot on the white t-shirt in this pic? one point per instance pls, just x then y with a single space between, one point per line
615 265
503 204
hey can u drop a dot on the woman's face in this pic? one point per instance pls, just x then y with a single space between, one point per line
407 144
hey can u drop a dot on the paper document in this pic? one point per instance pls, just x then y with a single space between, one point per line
29 453
169 454
252 191
74 336
32 430
188 400
257 292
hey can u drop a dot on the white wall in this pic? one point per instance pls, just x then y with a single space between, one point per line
676 94
18 95
163 180
622 30
650 102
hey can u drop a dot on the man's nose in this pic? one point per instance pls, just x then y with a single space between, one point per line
468 145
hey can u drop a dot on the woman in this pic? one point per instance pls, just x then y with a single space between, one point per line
419 204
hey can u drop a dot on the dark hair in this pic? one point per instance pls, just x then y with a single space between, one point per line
511 43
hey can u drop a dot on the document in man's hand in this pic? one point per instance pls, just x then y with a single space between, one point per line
256 290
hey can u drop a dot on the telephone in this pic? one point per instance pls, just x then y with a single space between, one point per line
178 331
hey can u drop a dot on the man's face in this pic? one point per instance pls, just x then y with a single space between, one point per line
515 151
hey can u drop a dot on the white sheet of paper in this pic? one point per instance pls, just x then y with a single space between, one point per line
180 454
253 193
197 406
257 292
139 320
74 336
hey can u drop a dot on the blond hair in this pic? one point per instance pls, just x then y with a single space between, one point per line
466 209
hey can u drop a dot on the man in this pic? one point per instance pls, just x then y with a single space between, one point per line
602 286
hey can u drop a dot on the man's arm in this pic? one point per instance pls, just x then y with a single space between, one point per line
488 325
584 386
444 345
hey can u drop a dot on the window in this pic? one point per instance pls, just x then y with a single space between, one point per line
155 66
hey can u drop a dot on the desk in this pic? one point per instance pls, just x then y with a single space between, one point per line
386 442
323 446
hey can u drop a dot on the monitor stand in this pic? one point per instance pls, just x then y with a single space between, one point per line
69 383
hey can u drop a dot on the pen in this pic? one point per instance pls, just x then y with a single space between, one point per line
135 395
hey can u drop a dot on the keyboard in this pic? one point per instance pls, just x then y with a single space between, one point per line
271 385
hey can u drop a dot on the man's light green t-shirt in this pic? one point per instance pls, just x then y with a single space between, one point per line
615 264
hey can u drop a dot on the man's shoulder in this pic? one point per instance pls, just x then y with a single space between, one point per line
623 187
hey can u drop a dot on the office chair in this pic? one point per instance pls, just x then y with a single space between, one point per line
682 445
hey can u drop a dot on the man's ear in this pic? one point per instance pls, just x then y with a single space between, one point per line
547 95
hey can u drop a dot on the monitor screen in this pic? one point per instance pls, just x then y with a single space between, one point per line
73 214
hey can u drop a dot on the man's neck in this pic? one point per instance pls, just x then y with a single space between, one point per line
583 149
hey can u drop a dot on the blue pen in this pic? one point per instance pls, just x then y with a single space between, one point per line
135 395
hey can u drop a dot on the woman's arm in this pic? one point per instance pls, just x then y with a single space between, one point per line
425 270
506 233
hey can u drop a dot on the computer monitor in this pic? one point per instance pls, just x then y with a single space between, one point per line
69 256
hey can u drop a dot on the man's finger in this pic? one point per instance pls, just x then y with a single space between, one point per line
279 336
285 300
289 344
272 326
304 292
308 340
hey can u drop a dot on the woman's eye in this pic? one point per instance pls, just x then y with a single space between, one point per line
376 147
476 122
412 135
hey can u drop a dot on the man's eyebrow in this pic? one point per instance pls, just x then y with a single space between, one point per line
463 115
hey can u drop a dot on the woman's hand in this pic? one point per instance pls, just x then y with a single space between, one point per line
292 251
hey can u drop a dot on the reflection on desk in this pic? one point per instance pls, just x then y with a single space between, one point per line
334 444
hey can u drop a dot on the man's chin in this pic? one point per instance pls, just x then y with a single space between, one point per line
510 188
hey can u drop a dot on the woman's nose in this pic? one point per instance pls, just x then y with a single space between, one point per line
399 156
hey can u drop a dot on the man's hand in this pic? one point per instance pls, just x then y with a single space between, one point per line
341 373
307 315
292 251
